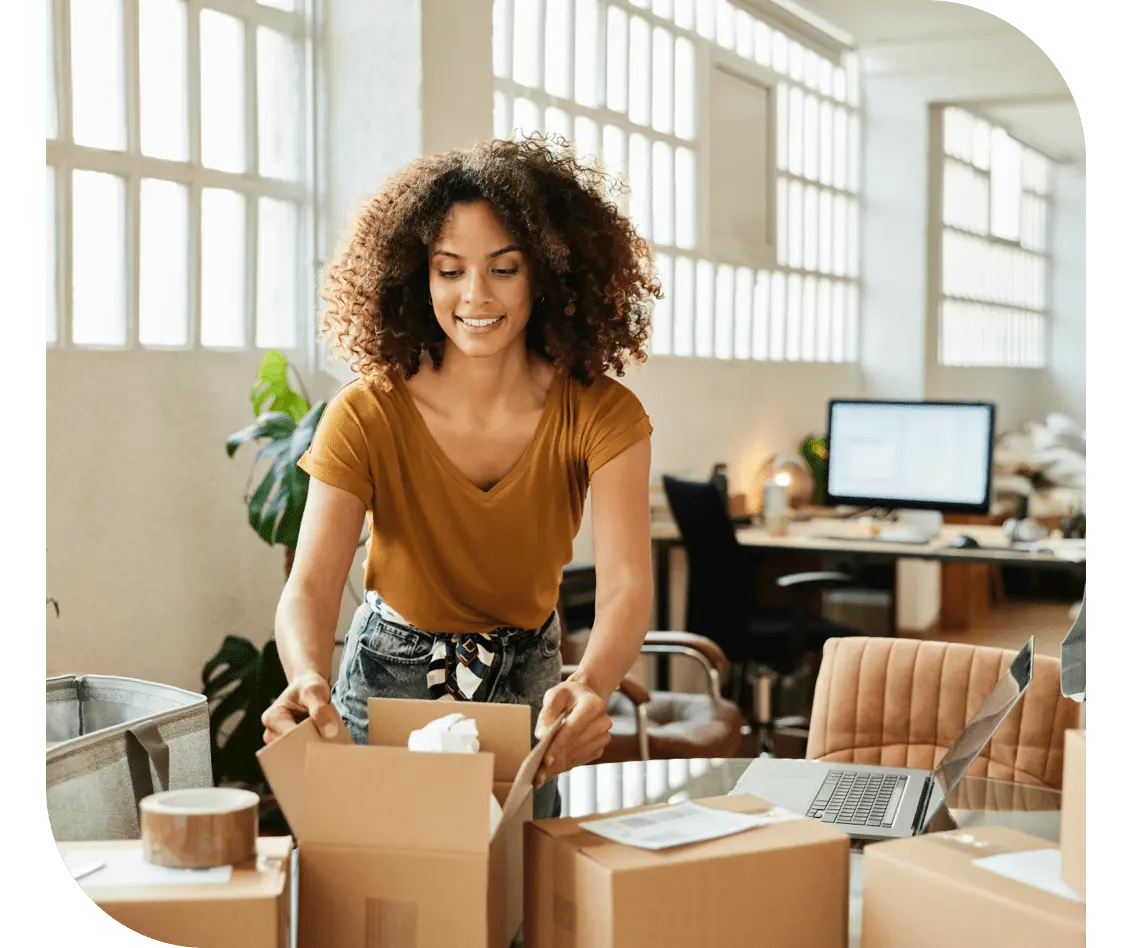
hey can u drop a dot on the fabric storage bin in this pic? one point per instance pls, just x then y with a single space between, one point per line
112 741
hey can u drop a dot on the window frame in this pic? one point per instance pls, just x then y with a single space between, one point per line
131 165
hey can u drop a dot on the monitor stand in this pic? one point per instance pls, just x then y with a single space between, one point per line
914 526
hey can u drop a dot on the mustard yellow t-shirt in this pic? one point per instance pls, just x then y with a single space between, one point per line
446 555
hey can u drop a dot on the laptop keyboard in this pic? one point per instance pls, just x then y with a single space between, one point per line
858 798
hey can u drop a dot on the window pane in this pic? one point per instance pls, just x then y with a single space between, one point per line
851 331
811 228
288 5
502 124
163 30
686 186
280 105
684 88
811 137
98 304
164 264
704 18
824 322
827 143
839 235
796 131
98 78
558 122
704 315
777 316
617 61
663 194
808 321
639 181
724 25
639 68
724 313
853 153
743 314
762 47
52 261
1004 188
684 14
500 39
586 140
794 318
780 52
760 347
683 300
662 81
276 309
839 322
615 148
52 101
223 294
223 126
526 43
826 233
558 13
527 118
796 224
662 318
587 53
782 127
744 35
783 222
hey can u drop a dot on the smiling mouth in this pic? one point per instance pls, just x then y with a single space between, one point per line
480 323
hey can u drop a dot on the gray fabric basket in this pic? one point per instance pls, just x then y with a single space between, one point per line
117 740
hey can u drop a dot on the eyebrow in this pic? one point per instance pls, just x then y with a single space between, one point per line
490 256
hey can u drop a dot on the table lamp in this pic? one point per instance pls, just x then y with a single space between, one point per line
786 484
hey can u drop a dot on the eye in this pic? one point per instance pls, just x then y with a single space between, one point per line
513 271
448 274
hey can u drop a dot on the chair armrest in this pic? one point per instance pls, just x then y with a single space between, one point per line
631 689
710 649
812 580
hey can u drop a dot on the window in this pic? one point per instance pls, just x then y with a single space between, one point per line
993 245
620 80
177 187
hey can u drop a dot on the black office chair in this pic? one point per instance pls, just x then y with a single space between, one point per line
765 647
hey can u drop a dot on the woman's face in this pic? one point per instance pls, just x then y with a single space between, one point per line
480 282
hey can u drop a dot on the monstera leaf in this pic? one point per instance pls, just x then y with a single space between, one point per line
275 507
272 391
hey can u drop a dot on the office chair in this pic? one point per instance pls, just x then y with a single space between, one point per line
765 647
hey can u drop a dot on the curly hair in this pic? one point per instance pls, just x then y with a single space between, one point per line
592 272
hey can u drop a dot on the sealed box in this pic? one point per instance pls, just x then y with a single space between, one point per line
1073 819
984 886
395 846
250 909
781 884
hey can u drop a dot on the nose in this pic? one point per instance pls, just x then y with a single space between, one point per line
476 287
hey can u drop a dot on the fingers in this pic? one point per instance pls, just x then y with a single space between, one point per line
556 702
277 720
575 748
316 699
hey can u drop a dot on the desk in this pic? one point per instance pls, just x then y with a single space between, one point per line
602 788
804 538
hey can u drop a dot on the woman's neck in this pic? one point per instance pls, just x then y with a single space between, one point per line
495 381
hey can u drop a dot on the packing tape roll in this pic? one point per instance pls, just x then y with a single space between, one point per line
200 829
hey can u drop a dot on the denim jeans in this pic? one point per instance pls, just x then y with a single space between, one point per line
385 657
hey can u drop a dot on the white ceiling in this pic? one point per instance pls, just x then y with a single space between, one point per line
909 31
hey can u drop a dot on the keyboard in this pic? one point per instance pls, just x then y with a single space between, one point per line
859 798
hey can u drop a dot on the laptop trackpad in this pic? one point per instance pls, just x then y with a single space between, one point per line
792 793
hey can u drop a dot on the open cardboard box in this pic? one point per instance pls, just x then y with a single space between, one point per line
929 892
395 845
784 884
251 910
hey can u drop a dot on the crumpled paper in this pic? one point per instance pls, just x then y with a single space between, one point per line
453 734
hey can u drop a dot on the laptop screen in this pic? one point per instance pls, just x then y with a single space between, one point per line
982 726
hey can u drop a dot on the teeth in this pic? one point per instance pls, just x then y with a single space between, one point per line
480 323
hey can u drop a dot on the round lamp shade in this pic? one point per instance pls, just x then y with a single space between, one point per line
791 471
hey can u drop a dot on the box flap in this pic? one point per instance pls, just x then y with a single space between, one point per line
394 798
951 855
284 763
523 784
504 729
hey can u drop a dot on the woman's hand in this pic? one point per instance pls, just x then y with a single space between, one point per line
307 695
582 737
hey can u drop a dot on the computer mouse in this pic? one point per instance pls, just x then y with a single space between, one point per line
966 542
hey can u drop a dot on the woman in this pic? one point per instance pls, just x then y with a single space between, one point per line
482 297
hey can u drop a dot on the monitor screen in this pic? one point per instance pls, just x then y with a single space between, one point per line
916 455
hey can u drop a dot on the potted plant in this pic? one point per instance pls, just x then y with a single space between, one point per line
284 426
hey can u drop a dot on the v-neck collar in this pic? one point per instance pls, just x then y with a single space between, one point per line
551 400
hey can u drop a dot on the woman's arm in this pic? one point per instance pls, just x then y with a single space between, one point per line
306 619
622 544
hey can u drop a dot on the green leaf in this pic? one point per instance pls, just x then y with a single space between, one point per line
272 389
274 425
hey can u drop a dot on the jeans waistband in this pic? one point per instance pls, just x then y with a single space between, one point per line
385 611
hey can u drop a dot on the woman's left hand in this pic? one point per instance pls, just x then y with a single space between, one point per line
583 736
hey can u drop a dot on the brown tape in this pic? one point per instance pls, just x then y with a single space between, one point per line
199 829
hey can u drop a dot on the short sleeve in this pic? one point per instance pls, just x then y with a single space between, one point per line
618 421
339 453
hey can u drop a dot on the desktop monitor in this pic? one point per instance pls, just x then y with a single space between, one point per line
933 456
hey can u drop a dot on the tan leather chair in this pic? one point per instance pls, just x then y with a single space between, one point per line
667 725
903 702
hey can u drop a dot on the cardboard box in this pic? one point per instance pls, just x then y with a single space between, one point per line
928 892
783 884
252 910
1073 819
394 846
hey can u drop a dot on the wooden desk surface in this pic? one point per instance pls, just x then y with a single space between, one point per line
804 537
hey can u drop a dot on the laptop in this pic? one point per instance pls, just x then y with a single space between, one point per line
872 802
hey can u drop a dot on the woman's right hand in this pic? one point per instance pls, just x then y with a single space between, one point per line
307 695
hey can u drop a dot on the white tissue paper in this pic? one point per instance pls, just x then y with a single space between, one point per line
453 734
